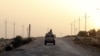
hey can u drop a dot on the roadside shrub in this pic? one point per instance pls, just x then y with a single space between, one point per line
92 33
83 34
8 48
18 38
17 41
98 33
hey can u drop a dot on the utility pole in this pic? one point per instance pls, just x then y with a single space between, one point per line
71 27
86 21
79 24
14 30
23 30
74 27
29 30
5 28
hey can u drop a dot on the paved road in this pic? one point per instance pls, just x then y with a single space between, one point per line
37 48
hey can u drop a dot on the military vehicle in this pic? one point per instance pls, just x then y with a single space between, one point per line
49 38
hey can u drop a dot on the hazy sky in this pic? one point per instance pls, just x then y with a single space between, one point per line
46 14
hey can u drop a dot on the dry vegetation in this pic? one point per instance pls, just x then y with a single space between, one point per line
90 38
10 44
88 41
